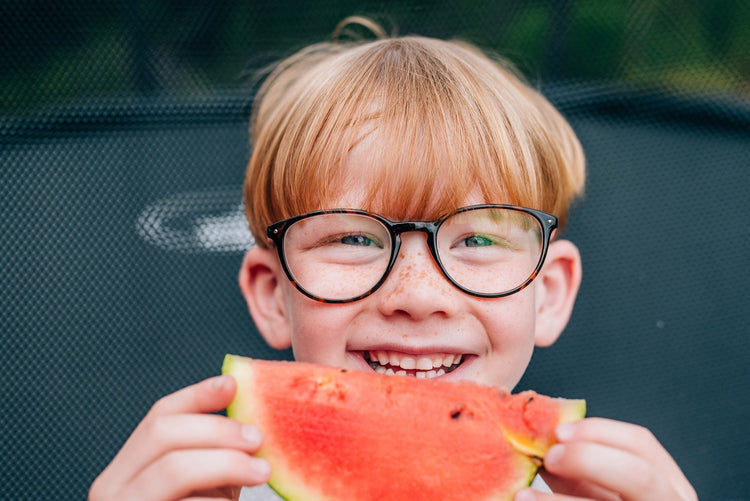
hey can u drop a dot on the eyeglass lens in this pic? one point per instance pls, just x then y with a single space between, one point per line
340 256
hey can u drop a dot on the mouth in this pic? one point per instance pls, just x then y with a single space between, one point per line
428 366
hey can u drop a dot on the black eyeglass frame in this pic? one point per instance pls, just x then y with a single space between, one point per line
548 223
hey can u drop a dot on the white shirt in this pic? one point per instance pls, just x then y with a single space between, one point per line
265 493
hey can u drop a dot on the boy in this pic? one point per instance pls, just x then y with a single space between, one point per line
401 193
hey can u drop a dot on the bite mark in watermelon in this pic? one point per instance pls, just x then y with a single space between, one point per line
334 435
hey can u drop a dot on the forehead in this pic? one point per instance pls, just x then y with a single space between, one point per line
400 180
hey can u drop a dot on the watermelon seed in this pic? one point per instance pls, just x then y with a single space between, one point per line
457 412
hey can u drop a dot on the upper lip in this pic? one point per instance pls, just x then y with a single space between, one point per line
415 350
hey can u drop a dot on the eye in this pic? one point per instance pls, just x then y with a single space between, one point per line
359 240
477 241
362 240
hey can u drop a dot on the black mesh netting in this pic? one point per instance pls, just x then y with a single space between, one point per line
122 150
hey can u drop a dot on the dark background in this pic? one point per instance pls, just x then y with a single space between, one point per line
123 142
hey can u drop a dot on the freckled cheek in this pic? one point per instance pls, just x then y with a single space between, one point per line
342 282
509 321
510 334
319 330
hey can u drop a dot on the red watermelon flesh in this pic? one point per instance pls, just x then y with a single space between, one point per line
331 434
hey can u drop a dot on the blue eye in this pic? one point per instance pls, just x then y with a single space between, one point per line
359 240
477 241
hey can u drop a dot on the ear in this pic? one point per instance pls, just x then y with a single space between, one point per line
260 283
557 288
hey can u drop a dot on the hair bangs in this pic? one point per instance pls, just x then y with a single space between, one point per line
429 130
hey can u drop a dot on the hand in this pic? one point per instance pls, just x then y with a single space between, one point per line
180 451
610 460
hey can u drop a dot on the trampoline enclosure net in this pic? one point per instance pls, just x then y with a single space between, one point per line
123 143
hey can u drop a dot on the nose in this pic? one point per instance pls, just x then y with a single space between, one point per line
416 288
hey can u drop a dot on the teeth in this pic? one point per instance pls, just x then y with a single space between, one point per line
395 360
408 363
423 366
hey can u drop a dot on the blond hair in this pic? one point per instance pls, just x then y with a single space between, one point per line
449 121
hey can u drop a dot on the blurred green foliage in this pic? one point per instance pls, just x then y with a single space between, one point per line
54 53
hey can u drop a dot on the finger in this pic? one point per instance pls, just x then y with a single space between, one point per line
181 473
200 431
209 498
534 495
577 488
613 469
229 492
162 434
632 438
616 434
209 395
214 495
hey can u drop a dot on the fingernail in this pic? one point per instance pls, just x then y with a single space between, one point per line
553 454
218 382
524 495
261 467
564 432
251 434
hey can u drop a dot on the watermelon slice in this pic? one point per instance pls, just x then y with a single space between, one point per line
334 435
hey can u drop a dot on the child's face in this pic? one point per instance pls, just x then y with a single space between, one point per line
418 314
416 320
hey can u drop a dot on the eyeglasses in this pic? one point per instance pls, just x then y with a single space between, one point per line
343 255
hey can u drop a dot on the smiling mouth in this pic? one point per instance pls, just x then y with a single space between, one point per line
420 366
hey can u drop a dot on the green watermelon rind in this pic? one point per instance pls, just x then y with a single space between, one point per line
244 408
